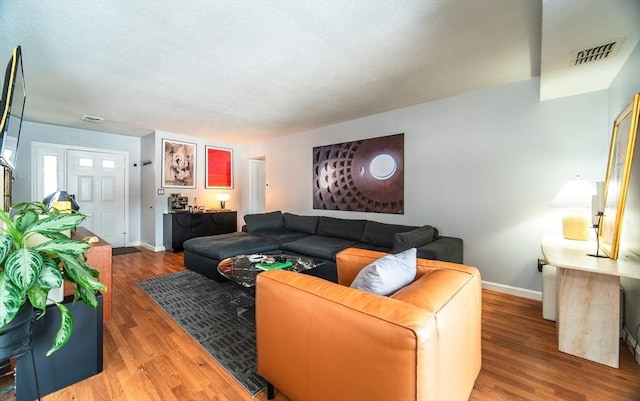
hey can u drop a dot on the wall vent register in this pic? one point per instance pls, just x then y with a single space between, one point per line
595 53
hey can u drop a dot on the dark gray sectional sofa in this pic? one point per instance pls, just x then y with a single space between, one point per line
318 237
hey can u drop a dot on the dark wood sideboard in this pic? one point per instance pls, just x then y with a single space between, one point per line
179 227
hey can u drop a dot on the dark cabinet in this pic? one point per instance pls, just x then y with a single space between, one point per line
77 360
179 227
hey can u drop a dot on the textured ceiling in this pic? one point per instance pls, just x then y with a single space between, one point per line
568 26
245 71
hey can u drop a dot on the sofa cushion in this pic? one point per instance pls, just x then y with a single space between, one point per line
317 246
282 234
225 245
414 238
264 221
387 274
303 224
382 234
340 228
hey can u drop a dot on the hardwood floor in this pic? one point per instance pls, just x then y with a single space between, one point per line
148 357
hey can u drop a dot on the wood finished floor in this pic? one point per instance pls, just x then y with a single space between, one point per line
148 357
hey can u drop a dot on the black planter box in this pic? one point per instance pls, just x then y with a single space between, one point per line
77 360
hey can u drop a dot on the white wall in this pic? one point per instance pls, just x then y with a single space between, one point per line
35 132
624 86
149 231
205 197
481 166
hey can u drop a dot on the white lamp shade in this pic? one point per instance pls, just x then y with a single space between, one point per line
575 193
223 197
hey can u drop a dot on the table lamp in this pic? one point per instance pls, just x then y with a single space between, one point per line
61 200
223 198
576 197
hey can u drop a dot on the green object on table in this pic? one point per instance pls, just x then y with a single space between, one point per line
274 266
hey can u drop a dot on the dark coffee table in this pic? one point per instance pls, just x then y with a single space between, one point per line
244 272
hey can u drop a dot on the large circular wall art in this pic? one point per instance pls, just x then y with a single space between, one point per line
363 176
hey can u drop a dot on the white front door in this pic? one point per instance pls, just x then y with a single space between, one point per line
97 180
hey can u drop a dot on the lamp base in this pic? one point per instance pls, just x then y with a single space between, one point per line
596 227
575 227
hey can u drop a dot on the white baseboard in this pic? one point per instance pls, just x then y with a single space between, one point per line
137 243
507 289
153 248
632 344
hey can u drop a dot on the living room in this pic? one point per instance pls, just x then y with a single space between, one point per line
481 165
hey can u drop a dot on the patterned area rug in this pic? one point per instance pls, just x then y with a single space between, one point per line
219 316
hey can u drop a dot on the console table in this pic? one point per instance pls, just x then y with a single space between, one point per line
99 256
588 293
179 227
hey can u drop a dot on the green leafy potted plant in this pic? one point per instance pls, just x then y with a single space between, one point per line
29 269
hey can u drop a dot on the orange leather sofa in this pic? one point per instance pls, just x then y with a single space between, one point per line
320 341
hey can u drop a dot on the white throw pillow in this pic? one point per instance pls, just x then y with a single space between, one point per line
387 274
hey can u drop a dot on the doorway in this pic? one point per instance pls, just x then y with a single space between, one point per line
257 186
98 180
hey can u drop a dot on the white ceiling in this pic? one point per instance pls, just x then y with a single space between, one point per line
245 71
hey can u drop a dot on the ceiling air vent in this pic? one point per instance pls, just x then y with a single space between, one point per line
591 54
91 119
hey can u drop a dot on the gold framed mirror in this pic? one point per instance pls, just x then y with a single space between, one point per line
623 140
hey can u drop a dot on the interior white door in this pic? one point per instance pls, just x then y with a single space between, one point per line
97 181
257 186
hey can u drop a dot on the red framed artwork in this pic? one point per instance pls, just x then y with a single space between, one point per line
219 164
